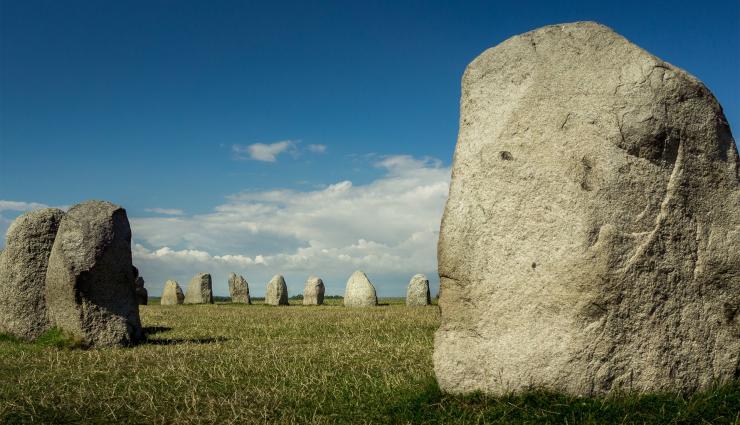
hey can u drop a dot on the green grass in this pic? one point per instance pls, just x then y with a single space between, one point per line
229 363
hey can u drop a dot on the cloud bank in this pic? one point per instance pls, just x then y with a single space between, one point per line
388 228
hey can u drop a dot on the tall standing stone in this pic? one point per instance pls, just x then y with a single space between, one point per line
23 264
359 292
89 291
200 290
277 291
417 293
239 289
590 241
313 292
172 294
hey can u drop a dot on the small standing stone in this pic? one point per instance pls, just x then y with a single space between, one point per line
142 295
359 291
200 290
239 289
277 291
417 293
172 293
313 293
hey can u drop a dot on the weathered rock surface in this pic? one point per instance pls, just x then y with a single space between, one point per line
277 291
89 291
417 293
23 265
359 292
591 239
172 293
200 290
239 289
313 292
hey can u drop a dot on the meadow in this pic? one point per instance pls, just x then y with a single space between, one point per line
230 363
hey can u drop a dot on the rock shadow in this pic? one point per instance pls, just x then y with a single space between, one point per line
176 341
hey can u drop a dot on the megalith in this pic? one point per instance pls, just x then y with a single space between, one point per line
142 295
591 239
89 292
417 293
172 294
313 292
359 292
277 291
200 290
23 264
239 289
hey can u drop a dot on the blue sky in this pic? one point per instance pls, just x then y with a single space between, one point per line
154 105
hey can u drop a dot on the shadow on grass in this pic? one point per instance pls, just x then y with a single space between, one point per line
176 341
717 405
151 330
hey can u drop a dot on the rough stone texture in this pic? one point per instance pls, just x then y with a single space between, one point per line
23 265
172 294
200 290
417 293
313 292
359 291
142 295
89 291
239 289
591 239
277 291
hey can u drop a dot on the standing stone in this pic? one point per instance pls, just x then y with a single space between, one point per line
417 293
23 265
239 289
277 291
591 239
359 291
172 294
200 290
142 295
89 292
313 292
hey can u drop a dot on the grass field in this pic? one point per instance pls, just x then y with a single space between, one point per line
259 364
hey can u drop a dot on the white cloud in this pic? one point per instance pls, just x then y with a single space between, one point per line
20 206
317 148
261 151
165 211
388 228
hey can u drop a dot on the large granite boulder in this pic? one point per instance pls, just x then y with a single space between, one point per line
277 291
89 292
313 291
239 289
23 265
359 292
591 239
417 293
172 294
200 290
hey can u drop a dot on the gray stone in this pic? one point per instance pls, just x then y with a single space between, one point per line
359 291
239 289
142 295
89 292
313 292
172 294
277 291
417 293
200 290
591 239
23 266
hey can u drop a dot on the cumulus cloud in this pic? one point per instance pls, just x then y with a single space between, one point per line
165 211
388 228
262 151
20 206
